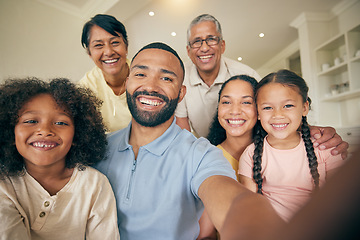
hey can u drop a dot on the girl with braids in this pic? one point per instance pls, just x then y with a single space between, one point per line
282 164
50 133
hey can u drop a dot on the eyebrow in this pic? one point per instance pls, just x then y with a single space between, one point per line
100 40
246 96
168 72
61 112
139 66
144 67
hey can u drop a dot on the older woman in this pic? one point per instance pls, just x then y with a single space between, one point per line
106 42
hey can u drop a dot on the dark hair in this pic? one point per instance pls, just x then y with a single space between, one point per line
162 46
89 141
217 133
296 82
106 22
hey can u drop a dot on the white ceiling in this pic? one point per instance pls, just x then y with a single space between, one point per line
241 20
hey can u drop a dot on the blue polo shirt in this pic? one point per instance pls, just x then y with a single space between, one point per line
157 194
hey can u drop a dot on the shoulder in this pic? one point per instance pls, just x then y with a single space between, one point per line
117 136
250 148
92 78
116 140
326 156
236 68
190 73
185 144
91 176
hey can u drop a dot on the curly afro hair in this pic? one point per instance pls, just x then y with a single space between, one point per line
89 142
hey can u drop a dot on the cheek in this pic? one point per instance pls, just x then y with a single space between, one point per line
121 50
94 53
221 111
261 116
192 54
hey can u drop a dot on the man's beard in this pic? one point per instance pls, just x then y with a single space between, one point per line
147 118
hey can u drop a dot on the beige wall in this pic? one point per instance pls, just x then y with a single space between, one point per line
37 40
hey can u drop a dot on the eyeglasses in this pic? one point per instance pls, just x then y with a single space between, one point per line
210 41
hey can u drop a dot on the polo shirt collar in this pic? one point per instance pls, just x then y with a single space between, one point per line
156 147
196 80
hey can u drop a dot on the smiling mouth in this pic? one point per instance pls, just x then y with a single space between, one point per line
149 102
280 126
205 58
44 145
236 122
111 61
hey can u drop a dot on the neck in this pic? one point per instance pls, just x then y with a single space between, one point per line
117 82
141 135
52 179
235 146
209 77
289 142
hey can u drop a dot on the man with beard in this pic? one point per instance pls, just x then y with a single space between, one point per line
163 176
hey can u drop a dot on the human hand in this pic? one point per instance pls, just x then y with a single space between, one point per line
326 137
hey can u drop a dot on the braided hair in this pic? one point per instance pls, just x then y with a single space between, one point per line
313 164
290 79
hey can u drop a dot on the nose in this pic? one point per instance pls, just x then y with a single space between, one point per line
108 50
235 109
151 84
277 113
204 47
45 129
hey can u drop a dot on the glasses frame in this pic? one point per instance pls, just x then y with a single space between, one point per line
206 41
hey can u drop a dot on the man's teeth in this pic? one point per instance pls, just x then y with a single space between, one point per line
236 122
150 102
42 145
279 125
111 61
205 57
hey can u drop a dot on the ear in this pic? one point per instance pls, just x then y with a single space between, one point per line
306 108
188 50
126 82
182 93
222 46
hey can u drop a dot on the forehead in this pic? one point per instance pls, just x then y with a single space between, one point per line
156 59
203 28
278 91
97 32
238 87
42 102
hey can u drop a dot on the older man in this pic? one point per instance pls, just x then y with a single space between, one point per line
205 76
209 70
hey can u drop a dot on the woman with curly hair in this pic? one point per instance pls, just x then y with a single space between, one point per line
282 163
50 133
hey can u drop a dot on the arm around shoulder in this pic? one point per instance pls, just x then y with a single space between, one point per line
326 137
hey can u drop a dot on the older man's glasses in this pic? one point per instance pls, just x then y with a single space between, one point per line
210 41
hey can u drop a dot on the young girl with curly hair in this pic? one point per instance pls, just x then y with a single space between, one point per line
282 164
50 133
